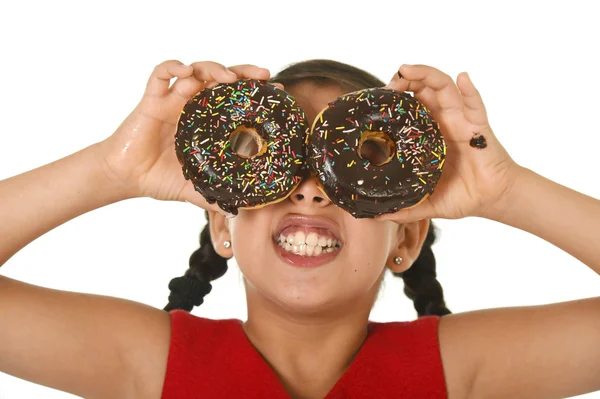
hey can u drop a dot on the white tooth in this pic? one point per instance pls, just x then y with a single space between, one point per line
329 242
312 239
318 250
322 241
299 238
310 249
329 250
288 246
335 243
290 239
302 250
281 238
295 249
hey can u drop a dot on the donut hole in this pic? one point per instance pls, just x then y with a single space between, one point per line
247 143
376 147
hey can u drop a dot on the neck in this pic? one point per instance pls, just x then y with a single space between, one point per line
307 350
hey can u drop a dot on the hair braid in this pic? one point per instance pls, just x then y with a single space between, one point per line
421 284
206 265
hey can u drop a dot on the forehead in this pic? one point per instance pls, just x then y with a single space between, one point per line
312 97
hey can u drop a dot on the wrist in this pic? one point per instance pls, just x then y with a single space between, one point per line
511 197
108 184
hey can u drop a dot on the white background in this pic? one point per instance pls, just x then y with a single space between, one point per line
72 71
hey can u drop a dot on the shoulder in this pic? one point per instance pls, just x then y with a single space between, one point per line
434 347
458 362
194 331
422 331
415 341
177 344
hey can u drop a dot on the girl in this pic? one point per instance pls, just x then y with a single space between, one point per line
307 333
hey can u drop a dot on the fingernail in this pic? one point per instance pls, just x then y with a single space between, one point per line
403 67
229 215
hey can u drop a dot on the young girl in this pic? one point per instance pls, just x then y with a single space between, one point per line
308 333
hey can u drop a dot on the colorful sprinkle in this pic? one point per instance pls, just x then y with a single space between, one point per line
351 182
218 173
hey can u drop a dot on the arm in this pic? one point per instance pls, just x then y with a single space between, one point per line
537 352
33 203
42 327
89 345
546 351
564 217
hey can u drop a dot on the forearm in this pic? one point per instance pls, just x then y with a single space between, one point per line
37 201
564 217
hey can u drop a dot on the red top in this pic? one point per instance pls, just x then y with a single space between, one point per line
214 359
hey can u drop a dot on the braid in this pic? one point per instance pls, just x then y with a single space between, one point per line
206 265
420 282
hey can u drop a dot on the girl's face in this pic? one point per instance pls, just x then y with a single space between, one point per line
346 276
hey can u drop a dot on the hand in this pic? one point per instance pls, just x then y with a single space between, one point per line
140 155
474 181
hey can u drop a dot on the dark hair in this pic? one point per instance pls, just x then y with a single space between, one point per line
420 281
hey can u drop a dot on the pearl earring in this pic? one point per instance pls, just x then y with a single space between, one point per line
226 244
397 260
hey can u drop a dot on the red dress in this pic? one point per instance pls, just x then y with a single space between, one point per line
214 359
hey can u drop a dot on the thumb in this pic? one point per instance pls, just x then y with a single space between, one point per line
409 215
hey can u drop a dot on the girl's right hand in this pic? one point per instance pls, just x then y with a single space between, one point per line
140 155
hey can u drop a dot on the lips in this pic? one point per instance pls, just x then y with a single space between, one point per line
292 222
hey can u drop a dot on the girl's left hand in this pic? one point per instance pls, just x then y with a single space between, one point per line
474 181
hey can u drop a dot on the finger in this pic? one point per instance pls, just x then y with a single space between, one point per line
279 86
447 94
206 74
186 88
424 94
408 215
474 109
158 83
246 71
251 72
207 71
400 84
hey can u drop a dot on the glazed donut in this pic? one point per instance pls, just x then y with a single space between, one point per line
242 144
376 151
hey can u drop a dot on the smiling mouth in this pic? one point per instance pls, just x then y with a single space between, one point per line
308 241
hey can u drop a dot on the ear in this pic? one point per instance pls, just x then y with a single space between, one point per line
410 241
219 233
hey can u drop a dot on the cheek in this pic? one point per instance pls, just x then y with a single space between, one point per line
369 246
249 232
366 265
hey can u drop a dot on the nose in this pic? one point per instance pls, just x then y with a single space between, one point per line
309 194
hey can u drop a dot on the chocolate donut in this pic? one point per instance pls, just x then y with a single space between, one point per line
242 144
376 151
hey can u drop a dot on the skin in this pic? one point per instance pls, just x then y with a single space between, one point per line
495 353
309 324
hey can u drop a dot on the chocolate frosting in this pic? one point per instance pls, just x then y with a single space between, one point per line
357 185
203 147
